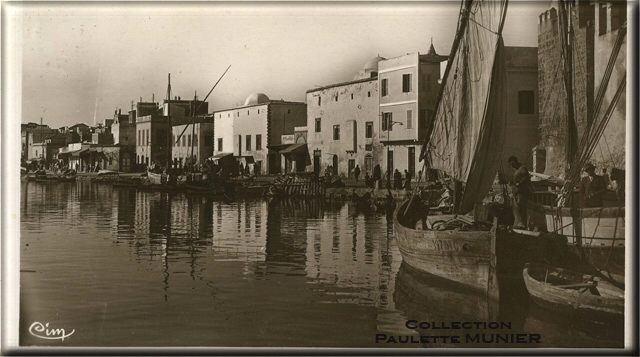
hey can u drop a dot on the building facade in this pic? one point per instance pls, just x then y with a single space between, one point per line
153 135
409 87
198 136
253 132
342 124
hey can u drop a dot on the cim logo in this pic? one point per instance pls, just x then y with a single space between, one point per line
39 330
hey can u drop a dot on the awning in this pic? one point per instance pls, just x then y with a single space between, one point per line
295 149
219 156
79 152
248 159
278 148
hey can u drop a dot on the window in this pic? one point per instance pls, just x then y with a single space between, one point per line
409 119
387 118
406 83
184 140
319 100
173 140
369 94
148 138
219 144
368 147
189 140
139 140
336 132
288 111
336 97
208 140
428 82
258 111
195 139
248 142
318 126
247 112
258 142
368 130
351 96
526 102
384 90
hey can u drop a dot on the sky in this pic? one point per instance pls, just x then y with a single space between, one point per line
80 63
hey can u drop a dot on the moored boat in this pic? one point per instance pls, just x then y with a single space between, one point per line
571 292
464 140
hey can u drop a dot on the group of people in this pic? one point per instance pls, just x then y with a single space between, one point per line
592 190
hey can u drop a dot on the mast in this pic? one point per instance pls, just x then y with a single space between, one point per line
465 135
193 129
170 146
566 41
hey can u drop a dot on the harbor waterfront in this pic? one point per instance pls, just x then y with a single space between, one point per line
115 266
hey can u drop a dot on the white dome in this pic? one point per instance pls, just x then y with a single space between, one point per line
256 98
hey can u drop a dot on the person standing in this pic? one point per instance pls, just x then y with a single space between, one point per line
397 180
592 187
356 172
521 190
407 180
377 176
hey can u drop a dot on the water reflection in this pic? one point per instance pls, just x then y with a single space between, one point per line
258 273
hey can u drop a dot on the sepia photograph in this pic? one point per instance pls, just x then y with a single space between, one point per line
319 177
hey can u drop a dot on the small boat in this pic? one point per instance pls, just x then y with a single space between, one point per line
108 173
157 178
571 292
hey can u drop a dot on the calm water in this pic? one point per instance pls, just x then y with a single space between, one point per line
127 268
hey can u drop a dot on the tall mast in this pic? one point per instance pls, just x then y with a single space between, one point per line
193 129
169 147
566 41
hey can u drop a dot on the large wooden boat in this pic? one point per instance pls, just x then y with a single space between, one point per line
460 256
567 291
464 139
157 178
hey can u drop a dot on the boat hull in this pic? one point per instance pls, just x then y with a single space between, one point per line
603 235
463 257
610 302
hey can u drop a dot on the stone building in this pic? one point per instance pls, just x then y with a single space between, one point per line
33 133
522 105
596 26
152 135
198 135
123 130
408 93
253 132
342 124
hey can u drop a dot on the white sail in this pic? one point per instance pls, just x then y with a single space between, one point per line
467 130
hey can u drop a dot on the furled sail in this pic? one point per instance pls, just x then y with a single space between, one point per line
466 133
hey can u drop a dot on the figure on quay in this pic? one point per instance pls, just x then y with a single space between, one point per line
521 190
356 172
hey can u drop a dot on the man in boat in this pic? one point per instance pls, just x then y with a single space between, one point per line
592 187
521 190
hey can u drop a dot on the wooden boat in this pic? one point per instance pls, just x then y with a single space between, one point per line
108 173
475 111
157 178
457 255
601 231
567 291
